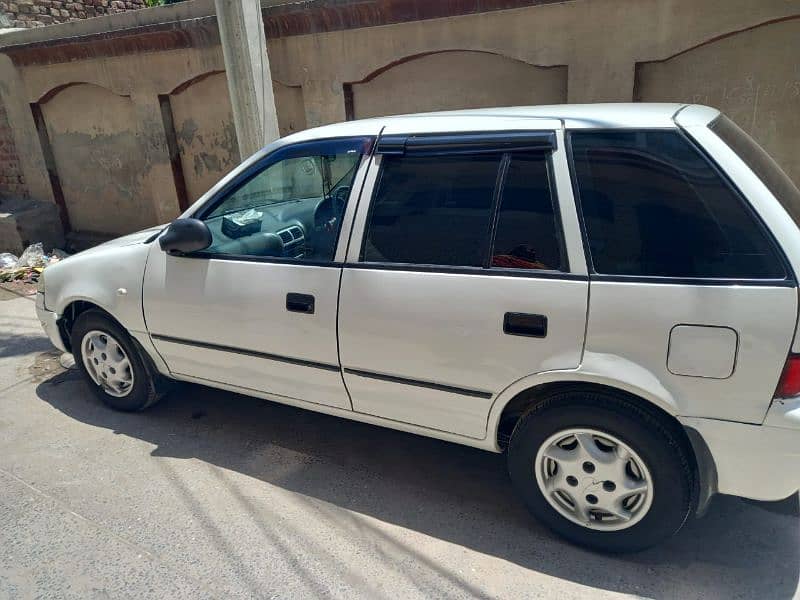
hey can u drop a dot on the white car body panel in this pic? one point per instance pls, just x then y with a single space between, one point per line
570 222
447 329
109 275
49 322
571 116
444 330
633 321
753 461
229 305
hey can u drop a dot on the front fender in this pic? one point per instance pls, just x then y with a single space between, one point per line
109 277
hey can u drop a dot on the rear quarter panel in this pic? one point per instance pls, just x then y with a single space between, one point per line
768 207
629 327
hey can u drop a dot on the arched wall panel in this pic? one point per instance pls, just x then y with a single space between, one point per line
753 76
96 146
456 79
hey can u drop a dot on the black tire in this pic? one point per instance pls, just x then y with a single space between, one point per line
147 388
657 441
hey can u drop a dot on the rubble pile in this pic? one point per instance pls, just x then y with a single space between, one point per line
26 268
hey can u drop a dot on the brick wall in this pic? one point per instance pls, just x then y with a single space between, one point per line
37 13
11 181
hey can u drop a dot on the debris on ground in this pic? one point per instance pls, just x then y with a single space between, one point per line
7 260
32 257
12 289
29 265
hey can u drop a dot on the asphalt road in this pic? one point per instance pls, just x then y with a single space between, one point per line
210 494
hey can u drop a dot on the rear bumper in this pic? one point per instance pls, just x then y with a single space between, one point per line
761 462
49 321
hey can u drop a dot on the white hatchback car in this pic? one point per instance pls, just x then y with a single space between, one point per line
608 293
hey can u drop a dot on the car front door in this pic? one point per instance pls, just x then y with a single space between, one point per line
256 310
460 279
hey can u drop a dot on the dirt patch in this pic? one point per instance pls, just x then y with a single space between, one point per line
46 365
11 290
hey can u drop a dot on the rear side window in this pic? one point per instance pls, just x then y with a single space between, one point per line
654 206
482 210
432 210
527 233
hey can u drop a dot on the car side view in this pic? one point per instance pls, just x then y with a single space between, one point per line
606 293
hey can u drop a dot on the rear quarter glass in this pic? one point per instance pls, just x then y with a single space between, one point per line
654 205
761 163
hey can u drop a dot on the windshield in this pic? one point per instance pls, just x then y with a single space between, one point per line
761 163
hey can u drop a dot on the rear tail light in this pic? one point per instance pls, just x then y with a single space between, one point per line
789 385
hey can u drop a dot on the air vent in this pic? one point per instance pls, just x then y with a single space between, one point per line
285 236
296 232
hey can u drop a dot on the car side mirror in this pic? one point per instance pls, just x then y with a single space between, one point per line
184 236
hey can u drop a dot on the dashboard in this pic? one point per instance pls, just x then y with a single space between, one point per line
306 229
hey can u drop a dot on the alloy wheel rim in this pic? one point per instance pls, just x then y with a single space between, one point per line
107 363
594 479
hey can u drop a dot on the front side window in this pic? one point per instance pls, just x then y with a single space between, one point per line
292 208
484 210
654 206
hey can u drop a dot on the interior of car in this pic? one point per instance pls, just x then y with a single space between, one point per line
292 209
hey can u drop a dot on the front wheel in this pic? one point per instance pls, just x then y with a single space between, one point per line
112 364
601 471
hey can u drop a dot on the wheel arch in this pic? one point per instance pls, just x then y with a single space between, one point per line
506 414
630 379
72 310
76 307
515 406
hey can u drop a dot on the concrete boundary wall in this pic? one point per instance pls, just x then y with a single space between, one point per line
12 183
150 83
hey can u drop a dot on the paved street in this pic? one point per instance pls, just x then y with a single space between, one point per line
210 494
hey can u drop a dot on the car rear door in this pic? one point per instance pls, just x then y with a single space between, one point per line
464 274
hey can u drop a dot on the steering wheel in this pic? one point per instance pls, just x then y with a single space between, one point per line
331 209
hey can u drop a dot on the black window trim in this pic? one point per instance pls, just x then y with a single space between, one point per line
494 214
478 142
460 270
392 141
788 281
275 260
251 172
494 272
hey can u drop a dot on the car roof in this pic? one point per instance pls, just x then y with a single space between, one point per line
569 116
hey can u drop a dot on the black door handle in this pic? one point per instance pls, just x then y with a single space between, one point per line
525 324
302 303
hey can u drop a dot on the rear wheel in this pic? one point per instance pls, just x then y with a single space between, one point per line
112 364
601 471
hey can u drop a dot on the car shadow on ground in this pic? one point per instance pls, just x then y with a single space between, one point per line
454 493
